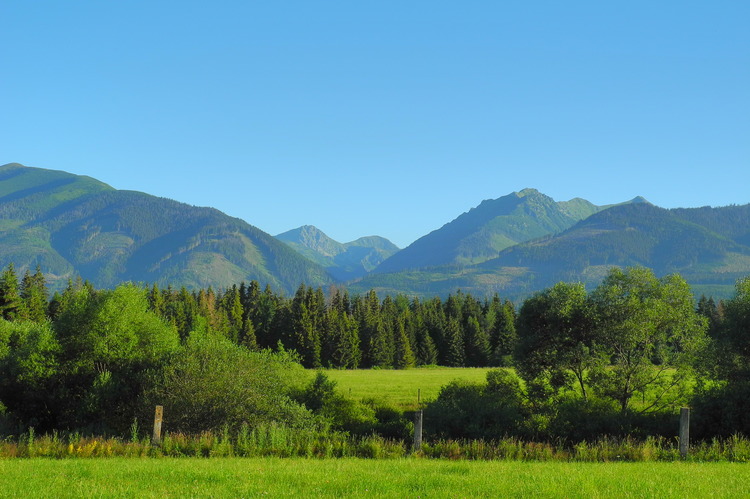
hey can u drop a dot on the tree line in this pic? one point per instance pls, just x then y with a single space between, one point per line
636 344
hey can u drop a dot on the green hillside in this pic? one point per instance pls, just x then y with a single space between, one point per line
73 225
484 231
515 245
666 241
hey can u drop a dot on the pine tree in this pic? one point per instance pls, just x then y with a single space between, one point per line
247 336
231 304
11 305
437 325
156 300
267 313
305 338
341 340
381 345
403 355
34 296
503 336
477 344
456 356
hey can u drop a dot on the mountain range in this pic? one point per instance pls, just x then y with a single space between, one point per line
515 245
73 225
345 261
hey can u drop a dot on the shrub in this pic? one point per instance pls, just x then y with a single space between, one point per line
211 383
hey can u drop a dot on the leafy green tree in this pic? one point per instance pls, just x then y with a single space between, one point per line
731 359
722 402
651 333
557 345
109 340
29 372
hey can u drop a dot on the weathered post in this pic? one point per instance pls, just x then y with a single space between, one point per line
684 432
156 440
418 417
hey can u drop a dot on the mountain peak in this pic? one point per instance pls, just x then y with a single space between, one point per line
344 261
527 192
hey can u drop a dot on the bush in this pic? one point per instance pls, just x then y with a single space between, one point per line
211 383
472 410
722 411
321 398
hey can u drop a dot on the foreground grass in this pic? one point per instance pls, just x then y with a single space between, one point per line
349 477
400 388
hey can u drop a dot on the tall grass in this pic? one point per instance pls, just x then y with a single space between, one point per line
279 441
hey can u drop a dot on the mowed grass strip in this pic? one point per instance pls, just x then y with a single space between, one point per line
238 477
401 387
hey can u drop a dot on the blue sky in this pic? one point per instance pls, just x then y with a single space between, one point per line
387 118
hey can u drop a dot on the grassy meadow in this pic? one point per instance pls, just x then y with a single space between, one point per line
400 388
349 477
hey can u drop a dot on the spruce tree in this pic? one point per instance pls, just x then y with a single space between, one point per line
456 356
477 344
11 305
305 338
34 296
403 355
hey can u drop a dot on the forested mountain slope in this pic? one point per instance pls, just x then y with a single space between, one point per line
482 232
344 261
707 246
73 225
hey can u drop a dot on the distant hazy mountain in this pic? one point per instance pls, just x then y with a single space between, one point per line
344 261
74 225
707 246
484 231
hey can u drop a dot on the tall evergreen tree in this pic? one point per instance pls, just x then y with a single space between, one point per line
305 337
436 324
11 305
156 300
34 296
341 340
231 304
381 345
403 355
456 356
477 344
501 318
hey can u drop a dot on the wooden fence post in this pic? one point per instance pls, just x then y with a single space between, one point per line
418 417
684 432
156 440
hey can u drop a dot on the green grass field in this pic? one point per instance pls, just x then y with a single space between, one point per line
237 477
401 387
